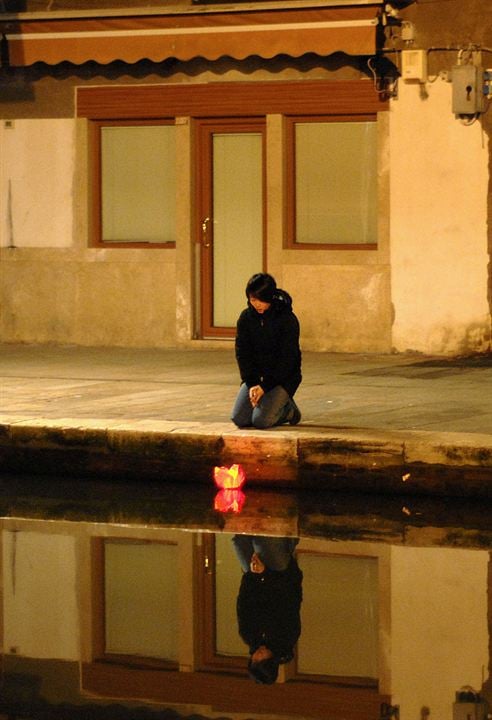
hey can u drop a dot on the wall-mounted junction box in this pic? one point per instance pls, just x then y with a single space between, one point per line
468 94
414 65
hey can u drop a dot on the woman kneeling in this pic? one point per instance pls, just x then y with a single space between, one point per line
268 356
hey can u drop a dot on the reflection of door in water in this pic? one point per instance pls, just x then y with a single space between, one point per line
231 219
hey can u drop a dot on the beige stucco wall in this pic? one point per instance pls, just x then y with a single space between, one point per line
36 183
342 308
439 185
88 298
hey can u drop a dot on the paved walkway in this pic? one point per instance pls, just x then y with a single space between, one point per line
435 411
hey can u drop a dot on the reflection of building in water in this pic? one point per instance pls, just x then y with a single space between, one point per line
404 625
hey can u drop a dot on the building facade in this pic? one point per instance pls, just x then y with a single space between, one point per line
152 159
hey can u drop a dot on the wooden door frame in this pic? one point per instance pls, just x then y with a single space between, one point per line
205 128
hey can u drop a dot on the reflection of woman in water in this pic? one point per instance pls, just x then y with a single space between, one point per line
269 601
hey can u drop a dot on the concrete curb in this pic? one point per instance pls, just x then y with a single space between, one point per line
298 457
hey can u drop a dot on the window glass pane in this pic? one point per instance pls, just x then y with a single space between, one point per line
340 633
238 220
138 183
141 599
227 581
336 182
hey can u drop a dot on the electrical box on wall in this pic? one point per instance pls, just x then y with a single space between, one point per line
414 65
469 705
468 95
469 711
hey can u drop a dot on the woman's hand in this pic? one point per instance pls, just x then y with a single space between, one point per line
256 565
255 394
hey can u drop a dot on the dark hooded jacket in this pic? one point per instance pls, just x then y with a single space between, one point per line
267 346
268 610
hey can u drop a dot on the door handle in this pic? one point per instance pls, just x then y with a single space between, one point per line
205 240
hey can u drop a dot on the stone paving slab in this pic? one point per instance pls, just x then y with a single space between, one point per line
373 423
347 460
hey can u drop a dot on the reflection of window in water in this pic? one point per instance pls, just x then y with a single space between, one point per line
339 612
227 580
340 622
139 588
141 599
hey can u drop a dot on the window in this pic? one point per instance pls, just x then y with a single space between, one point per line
331 158
332 182
135 184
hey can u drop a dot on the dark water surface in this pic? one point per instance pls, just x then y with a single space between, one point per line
450 522
119 601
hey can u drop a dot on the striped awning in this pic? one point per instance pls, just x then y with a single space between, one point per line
350 29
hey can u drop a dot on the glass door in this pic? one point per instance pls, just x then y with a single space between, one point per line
231 219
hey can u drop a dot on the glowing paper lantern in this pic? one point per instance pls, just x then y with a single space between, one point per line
229 478
229 501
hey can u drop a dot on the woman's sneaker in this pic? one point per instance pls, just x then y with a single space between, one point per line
296 415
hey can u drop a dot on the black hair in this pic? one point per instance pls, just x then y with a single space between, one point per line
261 286
264 672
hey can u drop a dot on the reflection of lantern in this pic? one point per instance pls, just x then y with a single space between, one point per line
229 501
229 478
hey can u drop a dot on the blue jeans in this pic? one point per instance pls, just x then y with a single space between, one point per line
274 408
274 552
